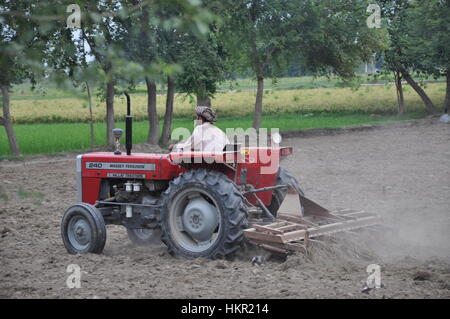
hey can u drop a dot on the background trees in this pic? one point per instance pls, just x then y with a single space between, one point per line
204 67
21 49
257 33
428 39
419 37
141 47
190 47
328 36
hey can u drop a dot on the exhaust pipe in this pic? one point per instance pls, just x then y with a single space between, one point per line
128 126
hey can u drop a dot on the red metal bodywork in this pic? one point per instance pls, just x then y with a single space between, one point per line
261 165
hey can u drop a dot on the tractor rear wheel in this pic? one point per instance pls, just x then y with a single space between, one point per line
143 237
83 230
278 195
203 215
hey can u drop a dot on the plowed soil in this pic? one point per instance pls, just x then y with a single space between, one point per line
400 171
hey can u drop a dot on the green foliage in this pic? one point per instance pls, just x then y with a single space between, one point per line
20 47
111 31
325 35
419 34
258 33
200 44
335 37
428 37
203 62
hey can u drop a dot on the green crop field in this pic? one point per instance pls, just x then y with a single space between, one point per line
365 99
57 121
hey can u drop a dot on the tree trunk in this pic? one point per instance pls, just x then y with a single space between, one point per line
258 103
110 112
6 121
400 97
426 100
447 94
167 126
91 120
203 101
153 121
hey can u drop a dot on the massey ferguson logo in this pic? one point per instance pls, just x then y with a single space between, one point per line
121 166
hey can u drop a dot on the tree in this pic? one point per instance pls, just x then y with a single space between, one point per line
121 34
394 13
173 41
6 120
104 36
257 32
169 49
335 38
17 36
154 35
329 36
399 89
141 47
204 66
168 115
12 72
67 65
428 39
105 26
411 47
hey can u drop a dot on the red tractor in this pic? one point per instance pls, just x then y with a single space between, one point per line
200 204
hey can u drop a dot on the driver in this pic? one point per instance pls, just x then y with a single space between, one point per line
206 136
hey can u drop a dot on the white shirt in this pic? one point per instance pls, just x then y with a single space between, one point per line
206 138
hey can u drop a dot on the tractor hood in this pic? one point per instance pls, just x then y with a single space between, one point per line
136 165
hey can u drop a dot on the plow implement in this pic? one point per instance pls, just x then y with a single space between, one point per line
294 227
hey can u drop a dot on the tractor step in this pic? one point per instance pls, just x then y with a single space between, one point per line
290 233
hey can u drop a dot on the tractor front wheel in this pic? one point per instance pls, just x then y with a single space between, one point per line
83 230
203 215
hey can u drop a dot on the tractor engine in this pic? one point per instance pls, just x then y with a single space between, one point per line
136 203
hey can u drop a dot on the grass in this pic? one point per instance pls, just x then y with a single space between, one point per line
62 137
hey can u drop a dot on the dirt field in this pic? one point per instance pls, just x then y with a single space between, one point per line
400 171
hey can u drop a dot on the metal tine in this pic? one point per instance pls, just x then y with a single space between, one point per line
268 229
296 219
292 227
276 224
334 216
343 211
356 213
